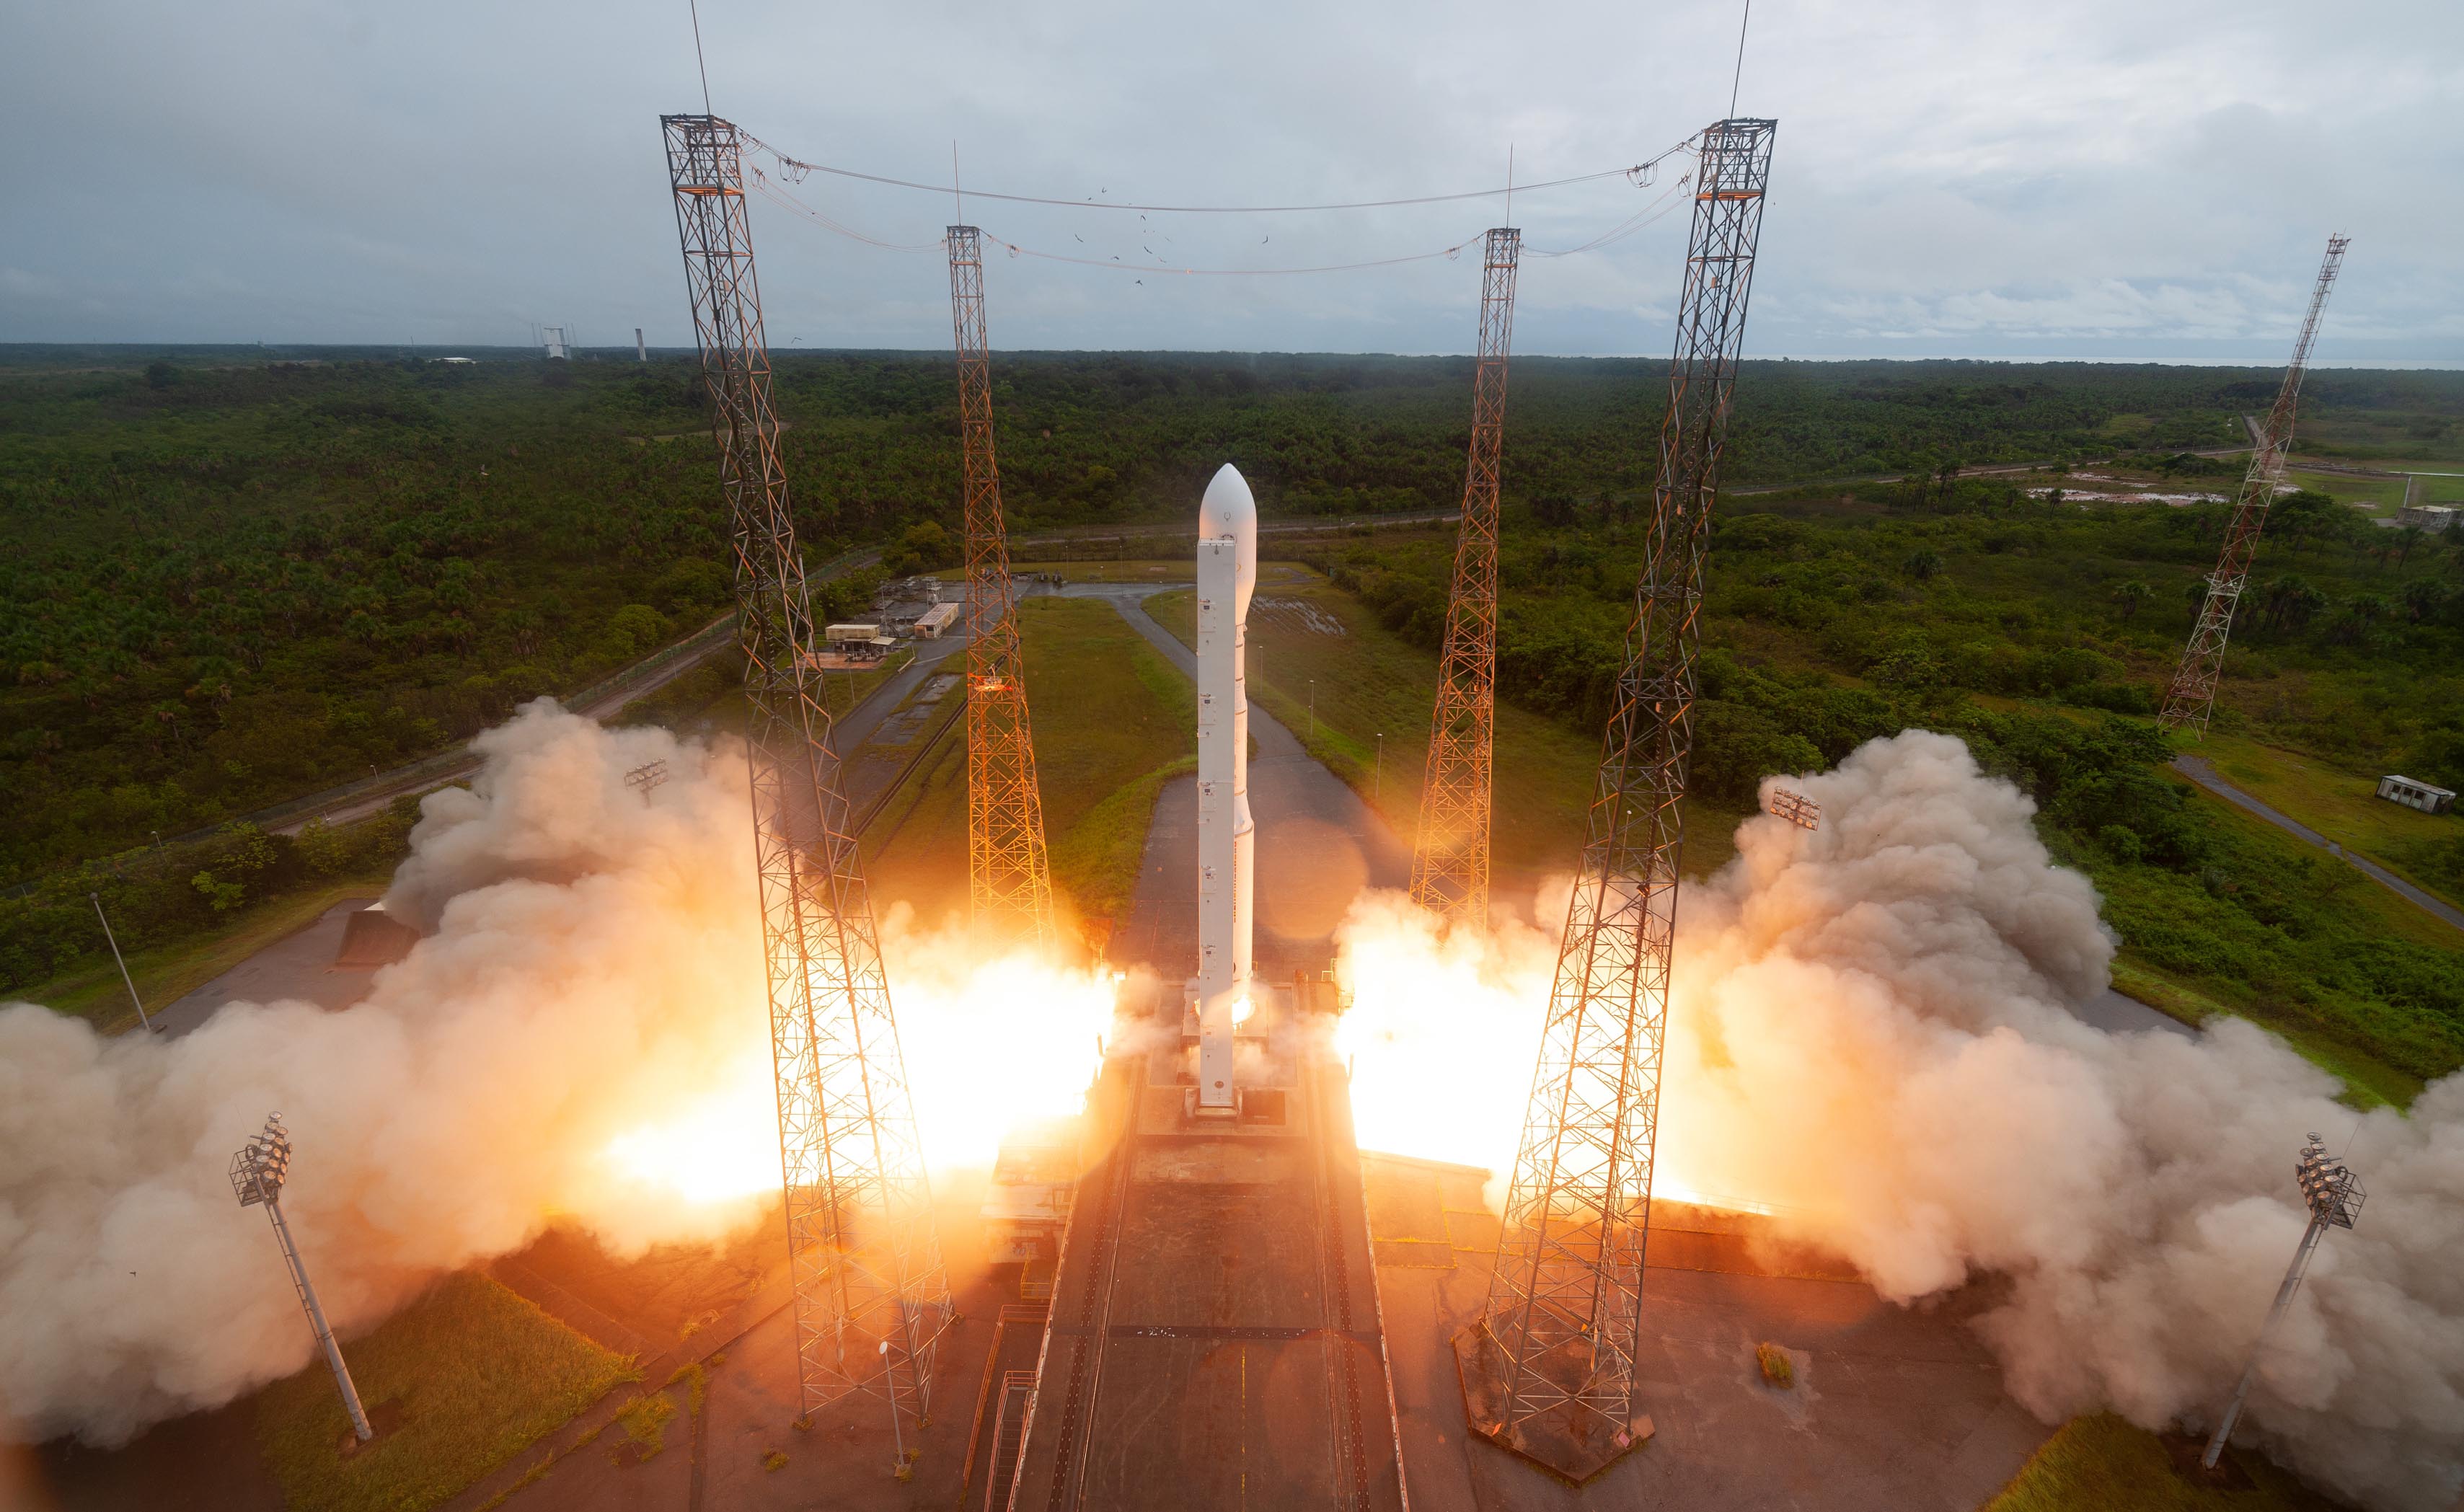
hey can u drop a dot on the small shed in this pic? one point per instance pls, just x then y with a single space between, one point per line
2413 794
929 624
837 634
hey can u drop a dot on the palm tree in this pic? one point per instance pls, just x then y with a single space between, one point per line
2132 595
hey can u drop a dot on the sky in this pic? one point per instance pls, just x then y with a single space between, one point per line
2124 180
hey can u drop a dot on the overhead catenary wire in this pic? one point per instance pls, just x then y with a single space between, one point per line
1667 200
1639 173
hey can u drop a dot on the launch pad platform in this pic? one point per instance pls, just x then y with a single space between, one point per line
1215 1338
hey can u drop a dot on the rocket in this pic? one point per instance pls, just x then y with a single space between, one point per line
1227 571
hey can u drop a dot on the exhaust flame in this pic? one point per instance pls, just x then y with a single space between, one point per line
1870 1041
582 1037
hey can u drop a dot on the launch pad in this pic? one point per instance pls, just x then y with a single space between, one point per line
1214 1337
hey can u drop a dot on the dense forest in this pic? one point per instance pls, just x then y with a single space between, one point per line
234 576
2040 632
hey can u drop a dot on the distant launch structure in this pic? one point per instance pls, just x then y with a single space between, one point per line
259 1174
1009 880
2334 1196
871 1298
1549 1371
2193 693
1450 856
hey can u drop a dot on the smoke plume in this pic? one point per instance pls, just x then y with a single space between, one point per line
1870 1039
583 1037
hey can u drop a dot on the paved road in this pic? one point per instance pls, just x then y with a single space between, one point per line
298 964
2197 769
1318 844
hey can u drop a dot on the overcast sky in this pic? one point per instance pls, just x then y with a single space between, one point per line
2126 179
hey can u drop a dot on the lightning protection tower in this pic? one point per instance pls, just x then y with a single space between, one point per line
1549 1371
871 1297
1008 881
259 1174
1450 856
2334 1196
2193 693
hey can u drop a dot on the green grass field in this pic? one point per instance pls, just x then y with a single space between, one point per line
167 972
2340 803
2103 1464
1366 679
1110 714
2381 495
467 1377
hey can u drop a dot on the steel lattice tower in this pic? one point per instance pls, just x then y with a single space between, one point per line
1007 878
2193 693
871 1298
1450 856
1549 1370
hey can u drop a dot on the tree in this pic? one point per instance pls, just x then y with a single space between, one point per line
2130 596
1922 564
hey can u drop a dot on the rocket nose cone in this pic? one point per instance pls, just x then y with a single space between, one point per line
1228 508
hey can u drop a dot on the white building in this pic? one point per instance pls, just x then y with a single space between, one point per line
929 624
2427 516
2412 794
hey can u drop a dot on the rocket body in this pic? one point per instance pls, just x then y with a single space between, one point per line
1227 574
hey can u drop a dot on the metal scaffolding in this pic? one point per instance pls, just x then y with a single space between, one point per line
1008 880
1450 856
2192 691
871 1297
1549 1370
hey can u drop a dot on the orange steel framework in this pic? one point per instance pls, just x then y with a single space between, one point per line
1450 857
871 1298
1009 882
1549 1371
2193 693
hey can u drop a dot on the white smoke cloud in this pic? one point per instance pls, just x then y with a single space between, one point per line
583 1037
1870 1039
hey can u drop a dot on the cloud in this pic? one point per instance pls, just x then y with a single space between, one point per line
1947 175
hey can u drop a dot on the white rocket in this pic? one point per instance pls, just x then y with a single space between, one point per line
1227 571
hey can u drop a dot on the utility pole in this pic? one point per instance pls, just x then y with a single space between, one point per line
1548 1369
258 1175
133 1001
1009 880
2334 1196
870 1296
1450 853
2191 694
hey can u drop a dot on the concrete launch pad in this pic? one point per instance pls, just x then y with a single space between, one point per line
1215 1339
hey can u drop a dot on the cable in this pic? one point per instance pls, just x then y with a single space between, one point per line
1017 250
1639 173
698 60
778 196
1738 78
1640 218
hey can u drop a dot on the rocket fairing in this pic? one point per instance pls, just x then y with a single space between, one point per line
1227 573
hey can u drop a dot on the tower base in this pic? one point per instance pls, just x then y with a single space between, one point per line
1567 1440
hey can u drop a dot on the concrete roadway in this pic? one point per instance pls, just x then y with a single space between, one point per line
2197 769
1318 845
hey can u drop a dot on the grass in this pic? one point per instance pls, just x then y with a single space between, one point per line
1096 861
2381 495
2103 1463
2343 969
2339 803
167 972
1110 715
644 1420
477 1375
1777 1366
1136 570
1368 679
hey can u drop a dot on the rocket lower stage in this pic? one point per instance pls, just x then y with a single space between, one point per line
1215 1338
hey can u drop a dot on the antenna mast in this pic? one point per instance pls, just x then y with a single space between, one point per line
2193 693
1451 853
1549 1371
871 1297
1009 880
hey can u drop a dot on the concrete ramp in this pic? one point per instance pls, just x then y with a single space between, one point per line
1215 1339
372 937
